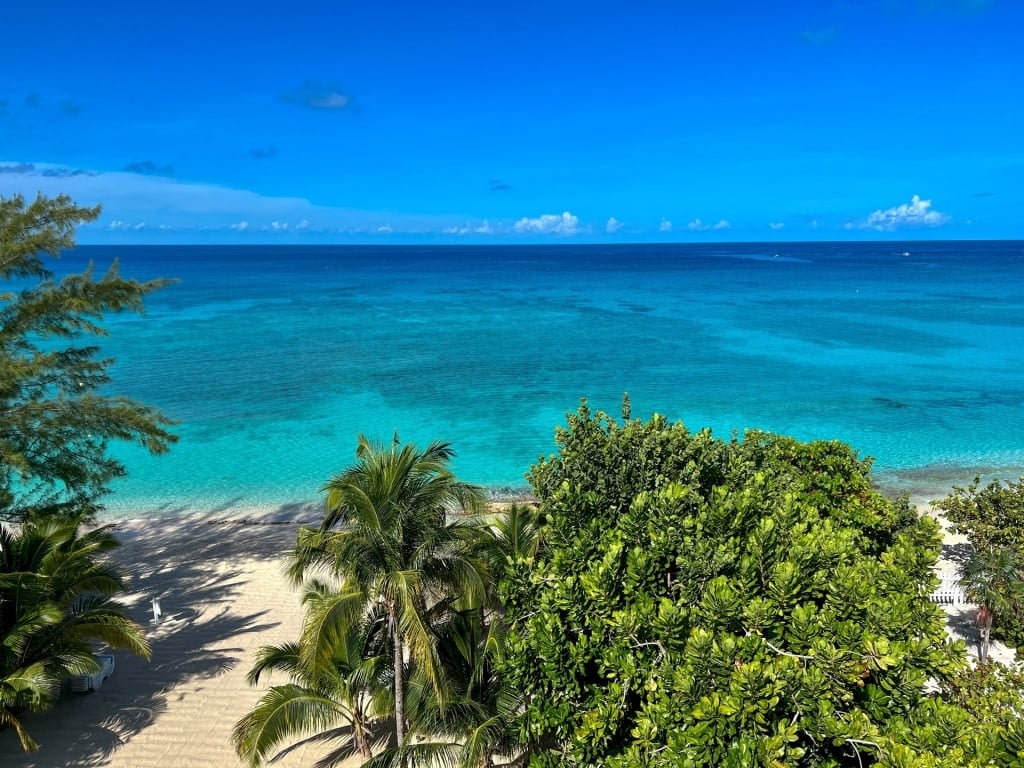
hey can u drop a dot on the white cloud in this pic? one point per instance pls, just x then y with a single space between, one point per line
240 226
279 226
304 224
123 226
699 226
483 228
317 95
549 224
332 100
192 207
613 225
916 213
776 225
385 229
665 226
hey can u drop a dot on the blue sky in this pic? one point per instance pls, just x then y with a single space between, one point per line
520 122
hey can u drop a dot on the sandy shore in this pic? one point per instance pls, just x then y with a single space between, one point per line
223 592
220 582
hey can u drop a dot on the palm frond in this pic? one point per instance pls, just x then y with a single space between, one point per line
329 621
443 754
490 736
100 619
391 565
280 658
29 625
344 748
34 686
9 720
283 712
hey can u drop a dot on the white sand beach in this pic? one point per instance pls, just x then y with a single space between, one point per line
221 585
223 593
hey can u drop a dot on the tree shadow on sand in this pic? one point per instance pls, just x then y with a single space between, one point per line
963 620
958 554
196 571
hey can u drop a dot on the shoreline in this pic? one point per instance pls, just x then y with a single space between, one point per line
920 485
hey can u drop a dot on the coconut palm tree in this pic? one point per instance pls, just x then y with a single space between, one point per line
56 590
992 579
513 534
338 701
392 541
479 719
476 726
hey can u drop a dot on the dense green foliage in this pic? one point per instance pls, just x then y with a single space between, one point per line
400 619
992 519
699 602
57 422
56 590
991 698
673 600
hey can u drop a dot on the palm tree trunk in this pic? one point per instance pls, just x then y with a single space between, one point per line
360 731
986 639
399 682
363 745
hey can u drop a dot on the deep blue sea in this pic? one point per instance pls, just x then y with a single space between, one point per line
274 359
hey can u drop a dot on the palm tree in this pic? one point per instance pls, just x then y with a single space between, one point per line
513 534
56 589
477 721
337 701
992 579
387 539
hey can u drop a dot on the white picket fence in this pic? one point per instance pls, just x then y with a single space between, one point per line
949 591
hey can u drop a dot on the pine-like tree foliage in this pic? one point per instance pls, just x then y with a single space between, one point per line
57 414
754 602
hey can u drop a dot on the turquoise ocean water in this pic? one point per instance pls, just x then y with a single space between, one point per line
273 359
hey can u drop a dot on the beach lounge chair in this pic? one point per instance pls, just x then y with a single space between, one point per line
86 683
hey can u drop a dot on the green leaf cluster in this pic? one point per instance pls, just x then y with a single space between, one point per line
700 602
991 516
992 519
57 415
57 590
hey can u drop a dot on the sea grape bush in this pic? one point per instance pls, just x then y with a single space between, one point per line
700 602
991 516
